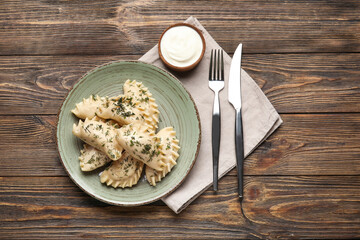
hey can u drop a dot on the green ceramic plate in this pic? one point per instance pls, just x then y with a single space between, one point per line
176 107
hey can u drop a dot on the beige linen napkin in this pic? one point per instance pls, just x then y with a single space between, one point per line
260 119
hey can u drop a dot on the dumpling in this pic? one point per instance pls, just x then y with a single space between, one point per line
144 101
91 158
136 105
99 135
170 147
142 144
121 109
124 172
88 107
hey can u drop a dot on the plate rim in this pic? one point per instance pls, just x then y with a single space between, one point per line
117 203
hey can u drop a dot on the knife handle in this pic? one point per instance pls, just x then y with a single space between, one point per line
239 146
216 139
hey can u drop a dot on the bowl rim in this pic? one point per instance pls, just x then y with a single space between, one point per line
127 204
189 67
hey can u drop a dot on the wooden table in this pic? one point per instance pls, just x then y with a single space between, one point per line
302 182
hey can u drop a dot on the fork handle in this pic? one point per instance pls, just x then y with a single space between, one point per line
216 131
239 146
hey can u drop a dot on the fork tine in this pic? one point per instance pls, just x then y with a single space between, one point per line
218 65
222 66
211 66
215 66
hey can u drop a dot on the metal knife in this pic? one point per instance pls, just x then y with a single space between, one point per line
235 100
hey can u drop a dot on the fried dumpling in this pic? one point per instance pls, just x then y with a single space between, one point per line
91 158
170 148
142 144
124 172
100 135
88 107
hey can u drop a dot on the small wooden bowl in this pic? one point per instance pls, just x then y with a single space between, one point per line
185 68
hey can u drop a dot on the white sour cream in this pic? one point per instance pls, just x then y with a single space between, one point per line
181 46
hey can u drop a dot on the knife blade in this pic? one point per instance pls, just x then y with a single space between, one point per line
235 78
234 97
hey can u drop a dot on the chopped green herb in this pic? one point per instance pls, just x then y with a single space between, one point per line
112 155
87 128
144 99
146 149
91 160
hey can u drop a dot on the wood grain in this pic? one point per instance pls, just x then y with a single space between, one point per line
315 144
294 83
275 208
310 144
308 83
133 27
290 204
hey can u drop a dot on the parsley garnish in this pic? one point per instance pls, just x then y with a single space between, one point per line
146 149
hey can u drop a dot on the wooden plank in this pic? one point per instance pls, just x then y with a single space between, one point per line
28 146
308 83
294 83
322 10
291 204
112 27
306 144
310 144
274 208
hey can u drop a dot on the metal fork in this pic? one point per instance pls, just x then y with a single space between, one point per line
216 83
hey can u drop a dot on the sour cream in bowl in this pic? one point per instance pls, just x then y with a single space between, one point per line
181 47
